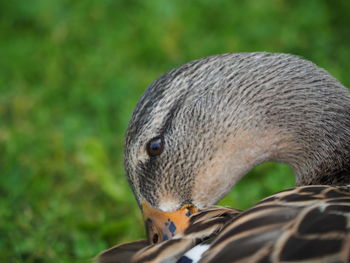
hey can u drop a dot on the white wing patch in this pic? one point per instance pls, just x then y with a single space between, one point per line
194 254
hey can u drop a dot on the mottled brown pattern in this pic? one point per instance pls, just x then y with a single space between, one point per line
274 230
311 229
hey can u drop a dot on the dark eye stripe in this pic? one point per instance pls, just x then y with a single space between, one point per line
155 146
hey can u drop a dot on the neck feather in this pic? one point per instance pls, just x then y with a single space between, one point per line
313 164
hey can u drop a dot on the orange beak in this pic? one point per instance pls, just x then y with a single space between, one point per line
164 225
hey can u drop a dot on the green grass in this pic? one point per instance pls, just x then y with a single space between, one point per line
70 75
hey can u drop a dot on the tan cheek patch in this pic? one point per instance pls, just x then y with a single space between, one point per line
234 159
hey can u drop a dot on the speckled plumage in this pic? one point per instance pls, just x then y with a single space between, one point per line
225 102
219 117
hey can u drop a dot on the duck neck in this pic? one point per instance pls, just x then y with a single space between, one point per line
321 157
341 177
316 158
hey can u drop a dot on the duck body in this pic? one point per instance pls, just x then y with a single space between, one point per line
303 224
201 127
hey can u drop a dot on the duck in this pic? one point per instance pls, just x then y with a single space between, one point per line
199 128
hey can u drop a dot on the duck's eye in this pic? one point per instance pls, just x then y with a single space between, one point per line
155 239
155 146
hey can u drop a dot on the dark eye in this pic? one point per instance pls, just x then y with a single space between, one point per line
155 239
155 146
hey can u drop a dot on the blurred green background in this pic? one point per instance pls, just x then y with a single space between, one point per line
70 75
